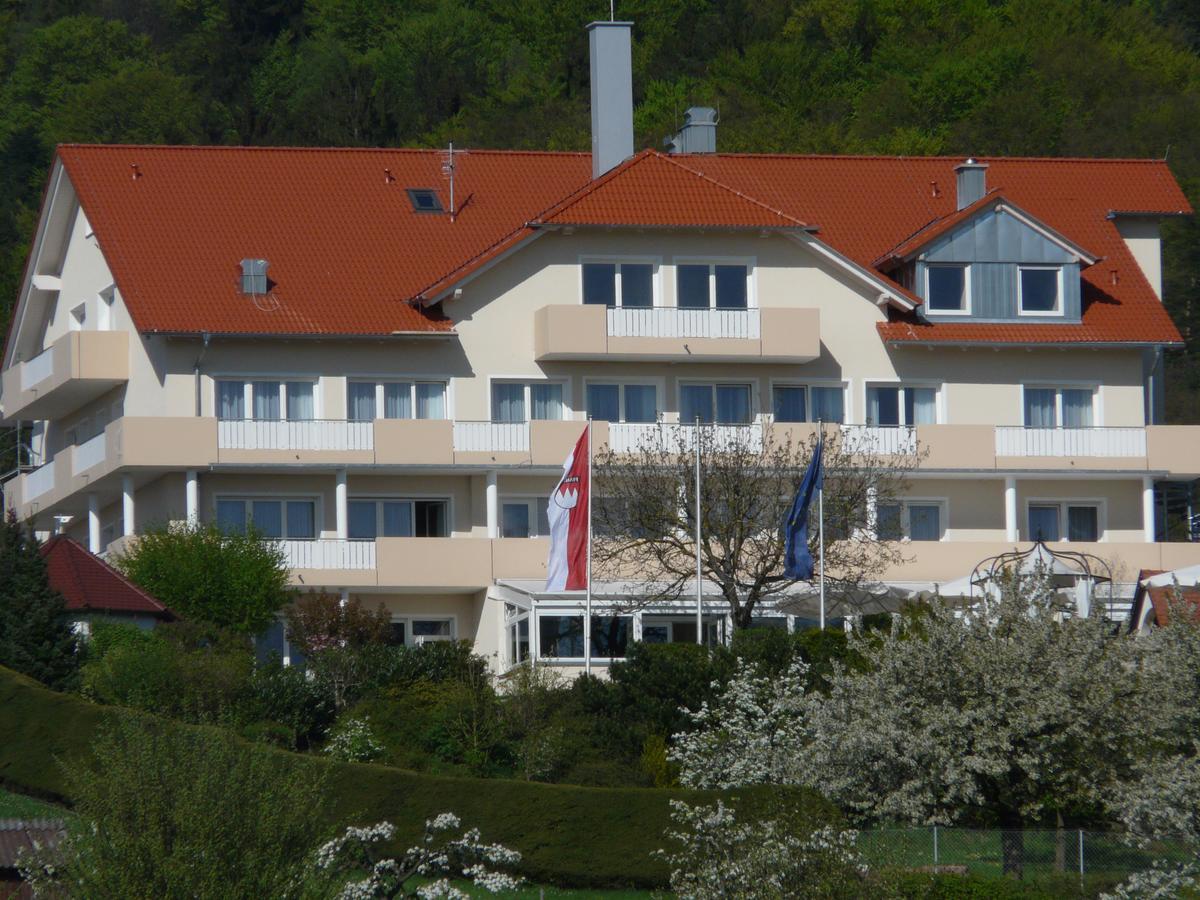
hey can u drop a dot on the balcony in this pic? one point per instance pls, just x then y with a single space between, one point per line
1127 443
671 334
75 369
329 554
91 453
312 441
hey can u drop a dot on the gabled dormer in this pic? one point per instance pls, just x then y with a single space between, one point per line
990 261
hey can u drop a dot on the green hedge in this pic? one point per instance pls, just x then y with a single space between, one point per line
569 836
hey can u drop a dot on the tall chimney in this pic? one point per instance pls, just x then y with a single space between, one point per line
972 182
612 94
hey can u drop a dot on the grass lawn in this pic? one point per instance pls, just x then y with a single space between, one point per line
18 806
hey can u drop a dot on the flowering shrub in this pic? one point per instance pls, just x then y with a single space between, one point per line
353 741
440 855
1162 881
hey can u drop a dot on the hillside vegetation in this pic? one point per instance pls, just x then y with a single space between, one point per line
1022 77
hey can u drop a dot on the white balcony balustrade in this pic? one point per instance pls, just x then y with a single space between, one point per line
88 454
628 437
892 440
673 322
314 434
329 554
1065 442
491 437
38 482
37 369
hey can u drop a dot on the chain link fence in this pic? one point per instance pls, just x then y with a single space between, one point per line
1023 853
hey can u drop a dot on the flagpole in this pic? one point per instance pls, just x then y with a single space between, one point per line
821 526
587 620
699 582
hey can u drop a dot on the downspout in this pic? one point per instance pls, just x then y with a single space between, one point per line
196 370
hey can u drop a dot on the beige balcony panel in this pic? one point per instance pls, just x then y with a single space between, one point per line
520 557
74 370
436 563
414 441
957 446
550 442
183 442
1174 448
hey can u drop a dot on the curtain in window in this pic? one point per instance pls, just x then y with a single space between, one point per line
924 523
640 403
300 406
637 285
546 400
695 402
231 400
267 517
883 406
790 405
1082 523
731 287
431 400
397 518
266 400
508 402
733 404
360 401
1043 523
604 402
1039 408
691 287
397 400
920 406
231 516
1077 408
361 523
828 404
301 520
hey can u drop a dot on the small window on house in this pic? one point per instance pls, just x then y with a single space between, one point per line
424 200
1047 520
1039 291
946 289
254 276
618 284
701 286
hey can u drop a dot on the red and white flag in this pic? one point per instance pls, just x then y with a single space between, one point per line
568 515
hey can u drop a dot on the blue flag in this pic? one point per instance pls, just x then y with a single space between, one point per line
797 560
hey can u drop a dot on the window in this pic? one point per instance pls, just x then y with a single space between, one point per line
254 276
278 519
518 641
1039 291
424 630
395 399
1047 518
946 289
800 403
709 286
515 401
791 403
625 284
424 200
901 405
611 636
560 636
369 519
522 517
678 631
916 520
1047 407
622 402
725 404
266 400
828 404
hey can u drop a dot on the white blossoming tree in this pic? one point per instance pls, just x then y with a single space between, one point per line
446 851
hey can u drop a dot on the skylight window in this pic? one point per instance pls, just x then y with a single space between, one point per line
424 200
254 276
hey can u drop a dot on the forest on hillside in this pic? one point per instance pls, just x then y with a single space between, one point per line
962 77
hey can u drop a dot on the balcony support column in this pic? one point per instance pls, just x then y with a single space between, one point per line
93 523
1148 508
192 494
492 494
1010 509
342 504
127 507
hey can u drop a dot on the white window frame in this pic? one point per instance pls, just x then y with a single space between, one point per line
528 380
901 383
535 632
655 262
659 385
713 383
1100 503
966 307
247 382
808 386
1058 387
1058 310
409 618
671 620
943 504
750 262
249 498
378 499
412 383
534 503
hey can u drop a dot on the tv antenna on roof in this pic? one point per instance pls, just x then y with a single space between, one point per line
449 165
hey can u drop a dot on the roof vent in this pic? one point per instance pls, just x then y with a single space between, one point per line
972 182
424 200
698 134
254 276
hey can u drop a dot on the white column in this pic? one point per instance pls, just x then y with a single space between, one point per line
193 496
492 493
127 508
93 523
1010 509
1148 508
342 504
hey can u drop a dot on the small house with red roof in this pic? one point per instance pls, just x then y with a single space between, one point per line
95 590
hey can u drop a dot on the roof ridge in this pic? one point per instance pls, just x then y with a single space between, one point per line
740 194
257 148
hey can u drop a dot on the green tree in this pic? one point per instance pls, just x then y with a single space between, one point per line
235 581
36 637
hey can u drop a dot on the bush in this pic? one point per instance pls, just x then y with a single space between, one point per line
287 697
235 581
353 741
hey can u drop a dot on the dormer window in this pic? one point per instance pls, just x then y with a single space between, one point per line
947 289
1039 290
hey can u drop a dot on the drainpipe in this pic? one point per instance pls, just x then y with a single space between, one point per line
196 370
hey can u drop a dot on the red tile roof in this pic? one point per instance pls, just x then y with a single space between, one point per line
89 583
348 253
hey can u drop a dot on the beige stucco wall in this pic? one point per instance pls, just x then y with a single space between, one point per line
1142 237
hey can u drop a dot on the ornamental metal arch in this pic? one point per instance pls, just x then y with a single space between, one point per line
1066 570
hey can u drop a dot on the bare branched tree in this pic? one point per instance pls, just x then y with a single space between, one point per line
645 522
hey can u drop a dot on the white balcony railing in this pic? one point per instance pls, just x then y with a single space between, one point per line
493 437
315 434
37 369
329 554
88 454
673 322
896 440
1062 442
624 437
38 482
